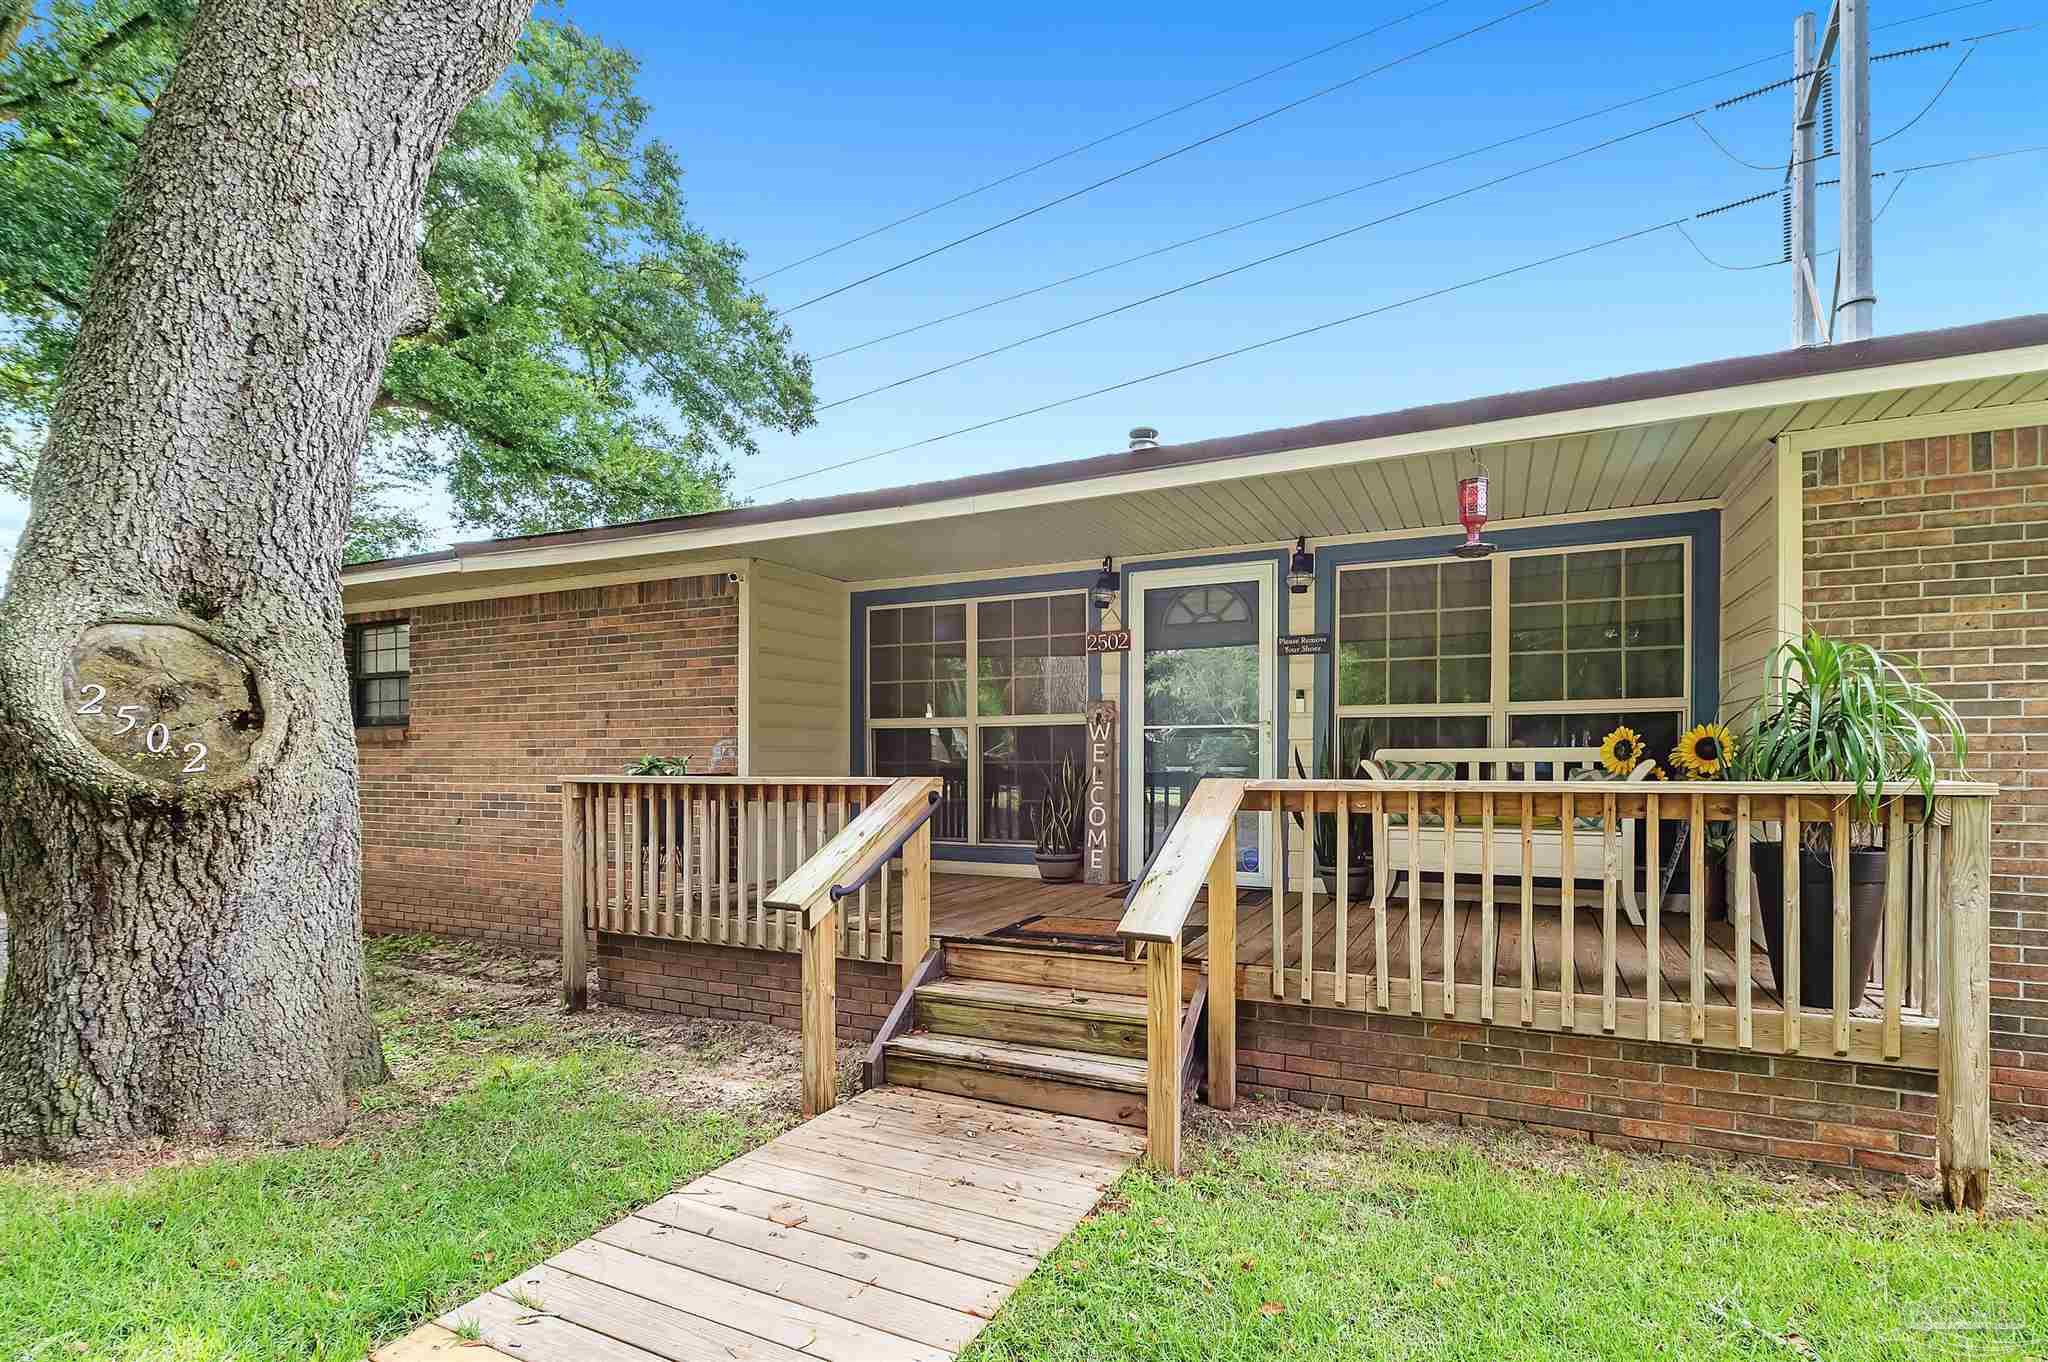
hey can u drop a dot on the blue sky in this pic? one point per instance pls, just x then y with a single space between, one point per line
800 125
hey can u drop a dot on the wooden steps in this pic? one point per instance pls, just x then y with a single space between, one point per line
1037 1027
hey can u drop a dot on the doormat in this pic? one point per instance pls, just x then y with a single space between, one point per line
1074 933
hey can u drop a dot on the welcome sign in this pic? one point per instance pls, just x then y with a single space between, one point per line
1098 840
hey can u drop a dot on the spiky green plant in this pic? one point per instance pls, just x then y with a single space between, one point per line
1057 820
1843 711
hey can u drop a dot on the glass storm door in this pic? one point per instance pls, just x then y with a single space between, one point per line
1203 645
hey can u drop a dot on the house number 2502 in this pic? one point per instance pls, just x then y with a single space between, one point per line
126 719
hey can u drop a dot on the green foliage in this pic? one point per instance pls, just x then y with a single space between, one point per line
1351 766
659 766
596 358
1344 1240
496 1145
1836 711
1057 820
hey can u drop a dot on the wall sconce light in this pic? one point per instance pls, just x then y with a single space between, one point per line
1301 571
1107 584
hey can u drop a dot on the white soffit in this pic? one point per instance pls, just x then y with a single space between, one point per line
1659 451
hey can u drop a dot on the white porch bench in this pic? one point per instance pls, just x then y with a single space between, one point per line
1510 763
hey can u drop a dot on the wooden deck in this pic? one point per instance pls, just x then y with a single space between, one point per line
967 906
891 1227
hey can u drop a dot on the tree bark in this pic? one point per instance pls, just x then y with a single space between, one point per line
186 941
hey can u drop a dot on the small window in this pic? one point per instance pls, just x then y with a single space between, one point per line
380 673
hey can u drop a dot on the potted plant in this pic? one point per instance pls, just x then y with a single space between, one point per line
1057 821
1844 712
1358 872
660 766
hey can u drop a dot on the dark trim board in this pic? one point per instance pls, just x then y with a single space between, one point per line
1701 528
971 589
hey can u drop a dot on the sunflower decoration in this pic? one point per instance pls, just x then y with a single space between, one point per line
1621 750
1705 751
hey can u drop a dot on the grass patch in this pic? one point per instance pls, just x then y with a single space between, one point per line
507 1134
1331 1239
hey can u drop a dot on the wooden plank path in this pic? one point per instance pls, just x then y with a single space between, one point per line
892 1227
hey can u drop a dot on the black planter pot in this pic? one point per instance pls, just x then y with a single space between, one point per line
1360 879
1058 869
1817 917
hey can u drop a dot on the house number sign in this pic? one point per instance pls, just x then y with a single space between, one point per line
1108 641
163 702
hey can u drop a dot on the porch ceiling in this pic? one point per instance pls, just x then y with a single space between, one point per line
1674 437
1657 463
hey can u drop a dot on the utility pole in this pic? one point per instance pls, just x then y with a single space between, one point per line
1806 309
1853 313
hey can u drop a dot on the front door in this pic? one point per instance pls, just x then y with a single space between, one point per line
1203 649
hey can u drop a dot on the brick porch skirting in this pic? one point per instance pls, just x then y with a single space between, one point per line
1861 1121
737 984
1866 1122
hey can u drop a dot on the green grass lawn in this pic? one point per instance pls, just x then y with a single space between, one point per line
507 1133
1335 1238
511 1131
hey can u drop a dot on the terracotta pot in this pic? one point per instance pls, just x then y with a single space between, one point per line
1817 917
1058 869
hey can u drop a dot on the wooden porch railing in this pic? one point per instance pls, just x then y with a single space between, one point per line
751 863
1932 971
693 858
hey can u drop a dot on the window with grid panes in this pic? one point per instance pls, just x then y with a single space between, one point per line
380 673
1590 639
1007 731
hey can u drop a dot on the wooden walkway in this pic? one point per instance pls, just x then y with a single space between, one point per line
891 1227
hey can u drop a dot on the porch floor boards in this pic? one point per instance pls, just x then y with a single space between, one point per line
891 1227
979 906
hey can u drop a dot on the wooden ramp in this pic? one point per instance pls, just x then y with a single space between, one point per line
889 1228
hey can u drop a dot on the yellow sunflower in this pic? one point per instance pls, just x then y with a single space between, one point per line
1621 750
1704 751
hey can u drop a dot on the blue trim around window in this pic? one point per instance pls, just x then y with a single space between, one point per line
1701 528
857 753
1126 867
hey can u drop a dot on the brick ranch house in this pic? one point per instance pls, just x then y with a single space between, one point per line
1656 535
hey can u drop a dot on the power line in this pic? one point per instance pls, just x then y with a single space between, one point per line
1903 173
1928 107
1169 155
1262 260
1340 234
1091 145
1391 178
1088 146
1316 202
1409 301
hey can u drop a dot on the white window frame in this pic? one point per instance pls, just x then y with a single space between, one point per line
1498 711
970 721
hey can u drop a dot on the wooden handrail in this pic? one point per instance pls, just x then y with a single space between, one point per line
1158 910
904 808
899 808
1199 853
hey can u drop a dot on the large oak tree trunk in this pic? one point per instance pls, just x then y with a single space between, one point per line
186 947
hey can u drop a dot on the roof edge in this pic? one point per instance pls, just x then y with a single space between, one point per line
1880 352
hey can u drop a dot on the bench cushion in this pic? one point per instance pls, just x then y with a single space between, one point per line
1503 817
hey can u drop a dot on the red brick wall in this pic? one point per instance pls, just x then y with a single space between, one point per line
1938 549
1849 1120
461 810
738 985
